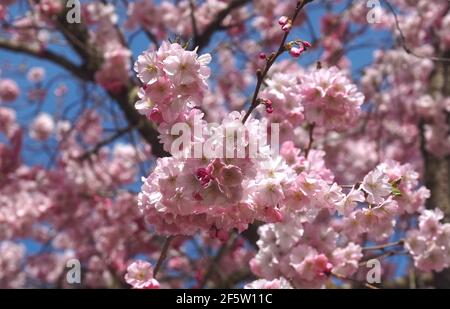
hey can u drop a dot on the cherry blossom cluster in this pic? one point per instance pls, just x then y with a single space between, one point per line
282 91
169 17
184 195
174 81
304 253
402 75
11 258
389 191
430 244
330 99
77 207
114 71
309 246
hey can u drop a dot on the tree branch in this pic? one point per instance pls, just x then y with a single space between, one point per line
45 54
106 141
214 263
163 255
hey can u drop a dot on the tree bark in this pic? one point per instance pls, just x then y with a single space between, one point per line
436 169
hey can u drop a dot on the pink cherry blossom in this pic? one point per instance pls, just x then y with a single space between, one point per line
36 74
376 185
330 99
42 127
296 51
345 260
430 245
140 276
9 90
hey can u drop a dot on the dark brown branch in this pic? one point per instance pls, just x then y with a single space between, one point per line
126 101
46 55
193 20
151 37
311 139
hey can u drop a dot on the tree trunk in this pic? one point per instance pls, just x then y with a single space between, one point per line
437 170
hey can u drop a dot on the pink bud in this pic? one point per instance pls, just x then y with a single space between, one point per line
306 44
296 51
262 56
283 20
323 266
203 176
155 115
273 215
287 27
269 109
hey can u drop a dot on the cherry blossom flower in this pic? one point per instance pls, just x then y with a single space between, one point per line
430 245
146 67
42 127
376 185
9 90
140 275
345 260
36 74
348 204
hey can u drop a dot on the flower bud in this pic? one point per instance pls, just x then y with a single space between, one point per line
306 44
283 20
296 51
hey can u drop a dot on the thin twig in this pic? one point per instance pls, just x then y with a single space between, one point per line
193 20
381 256
271 60
407 49
367 285
212 266
106 141
163 255
311 139
384 246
